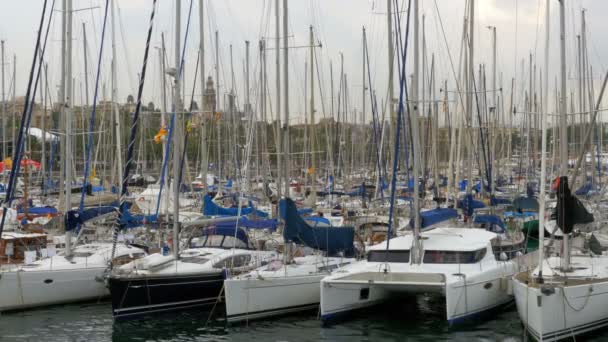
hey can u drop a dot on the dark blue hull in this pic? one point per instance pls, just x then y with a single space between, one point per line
133 297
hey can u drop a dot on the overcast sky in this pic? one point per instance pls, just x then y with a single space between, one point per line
337 25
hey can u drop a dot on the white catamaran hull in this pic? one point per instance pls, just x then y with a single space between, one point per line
462 299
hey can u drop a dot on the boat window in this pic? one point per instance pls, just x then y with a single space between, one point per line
453 257
82 254
219 241
234 261
389 256
195 260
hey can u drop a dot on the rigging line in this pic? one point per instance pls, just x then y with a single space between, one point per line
118 225
93 112
25 116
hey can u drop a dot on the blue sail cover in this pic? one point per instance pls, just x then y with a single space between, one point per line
212 209
468 204
330 239
244 222
584 190
429 218
74 218
129 220
490 220
38 210
316 220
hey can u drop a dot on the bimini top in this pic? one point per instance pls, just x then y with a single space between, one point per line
443 239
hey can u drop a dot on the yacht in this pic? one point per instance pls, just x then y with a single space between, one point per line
161 283
59 279
291 284
463 265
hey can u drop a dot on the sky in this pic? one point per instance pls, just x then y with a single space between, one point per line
337 27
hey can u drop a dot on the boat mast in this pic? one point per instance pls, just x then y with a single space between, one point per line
363 89
494 113
563 146
543 162
469 108
391 80
203 128
3 105
286 147
313 140
216 109
177 137
68 122
114 100
417 247
278 83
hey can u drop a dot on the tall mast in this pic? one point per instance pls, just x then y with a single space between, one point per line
363 89
86 66
563 146
415 137
391 95
114 99
177 137
68 122
217 106
494 115
470 77
313 139
286 146
278 95
543 162
3 106
203 128
62 126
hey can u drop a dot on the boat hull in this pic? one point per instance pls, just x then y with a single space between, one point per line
137 296
463 300
29 289
255 298
558 312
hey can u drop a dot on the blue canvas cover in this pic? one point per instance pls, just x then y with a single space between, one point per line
210 208
434 216
490 220
584 190
38 210
468 204
244 222
73 218
330 239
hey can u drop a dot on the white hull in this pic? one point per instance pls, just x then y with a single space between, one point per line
28 289
569 310
461 301
255 298
277 289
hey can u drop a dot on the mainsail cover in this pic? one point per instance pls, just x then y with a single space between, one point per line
212 209
332 240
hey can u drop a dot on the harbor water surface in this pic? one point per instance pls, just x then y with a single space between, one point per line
418 320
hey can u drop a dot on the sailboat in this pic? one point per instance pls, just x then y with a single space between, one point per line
566 293
290 285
